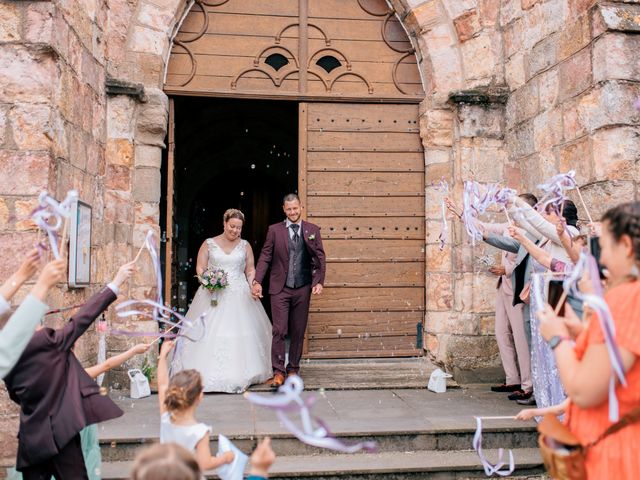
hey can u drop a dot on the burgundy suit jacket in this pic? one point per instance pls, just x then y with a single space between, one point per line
57 397
275 255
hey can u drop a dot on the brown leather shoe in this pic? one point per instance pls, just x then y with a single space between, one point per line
277 380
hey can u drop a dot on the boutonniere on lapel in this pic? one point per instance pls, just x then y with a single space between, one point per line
312 236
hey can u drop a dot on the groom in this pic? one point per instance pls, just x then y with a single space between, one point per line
293 250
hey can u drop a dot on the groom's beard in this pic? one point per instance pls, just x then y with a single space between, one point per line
294 219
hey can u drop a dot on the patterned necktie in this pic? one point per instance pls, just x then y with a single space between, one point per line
295 228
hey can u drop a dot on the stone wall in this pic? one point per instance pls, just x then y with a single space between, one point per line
516 90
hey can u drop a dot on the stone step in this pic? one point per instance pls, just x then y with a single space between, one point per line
438 439
385 465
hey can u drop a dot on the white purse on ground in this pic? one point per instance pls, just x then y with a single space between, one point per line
139 384
438 381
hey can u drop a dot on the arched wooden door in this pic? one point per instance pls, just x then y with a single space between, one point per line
353 71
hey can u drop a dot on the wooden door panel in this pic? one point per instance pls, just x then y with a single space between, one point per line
346 183
374 250
366 206
383 228
376 274
370 207
357 299
356 323
366 161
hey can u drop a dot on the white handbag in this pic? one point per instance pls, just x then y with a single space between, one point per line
139 384
438 381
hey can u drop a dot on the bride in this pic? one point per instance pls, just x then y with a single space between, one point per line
235 350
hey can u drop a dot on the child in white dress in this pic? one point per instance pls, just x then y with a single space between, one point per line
179 398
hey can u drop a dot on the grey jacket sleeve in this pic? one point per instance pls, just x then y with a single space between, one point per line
503 243
18 331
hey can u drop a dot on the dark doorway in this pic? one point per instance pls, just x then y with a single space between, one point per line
229 153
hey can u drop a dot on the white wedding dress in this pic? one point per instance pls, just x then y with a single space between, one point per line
235 350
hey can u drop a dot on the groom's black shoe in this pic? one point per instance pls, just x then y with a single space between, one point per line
277 380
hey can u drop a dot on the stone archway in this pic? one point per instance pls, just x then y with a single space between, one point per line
457 47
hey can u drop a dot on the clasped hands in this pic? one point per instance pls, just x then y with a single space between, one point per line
256 290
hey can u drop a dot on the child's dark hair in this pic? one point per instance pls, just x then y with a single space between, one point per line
625 220
165 461
184 389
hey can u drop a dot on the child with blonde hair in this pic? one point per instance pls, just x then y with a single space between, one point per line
179 398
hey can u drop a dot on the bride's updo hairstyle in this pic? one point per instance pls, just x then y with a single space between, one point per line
183 391
233 213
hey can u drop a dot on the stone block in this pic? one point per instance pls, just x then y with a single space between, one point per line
23 210
26 74
515 72
619 16
439 290
120 114
537 168
14 248
528 4
433 201
147 40
438 125
616 153
478 58
520 142
577 8
456 8
423 17
152 118
575 74
10 22
513 38
118 206
119 151
38 27
610 103
543 55
148 156
543 20
467 25
510 10
547 129
31 126
577 156
548 88
436 155
4 214
438 171
481 121
24 173
467 352
600 196
437 260
118 177
574 36
156 17
572 126
146 213
615 57
482 161
146 185
488 11
523 104
451 323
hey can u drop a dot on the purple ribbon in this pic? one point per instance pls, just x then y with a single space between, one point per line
490 469
554 190
48 210
289 400
475 203
597 303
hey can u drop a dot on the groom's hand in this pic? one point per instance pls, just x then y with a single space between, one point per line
317 290
256 290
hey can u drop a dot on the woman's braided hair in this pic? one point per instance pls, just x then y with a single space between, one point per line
625 220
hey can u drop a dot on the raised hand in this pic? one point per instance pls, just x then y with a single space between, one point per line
29 265
262 458
452 207
498 270
124 273
52 273
515 233
140 348
166 348
528 414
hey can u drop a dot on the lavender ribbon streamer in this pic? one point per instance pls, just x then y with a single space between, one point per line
475 204
599 305
289 400
490 469
554 189
50 209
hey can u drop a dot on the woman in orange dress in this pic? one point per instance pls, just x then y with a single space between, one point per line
585 370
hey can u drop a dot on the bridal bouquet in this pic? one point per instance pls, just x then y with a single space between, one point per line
214 280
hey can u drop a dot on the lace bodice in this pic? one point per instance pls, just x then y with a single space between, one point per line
233 263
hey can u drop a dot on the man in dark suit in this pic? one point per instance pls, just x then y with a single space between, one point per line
294 253
57 397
